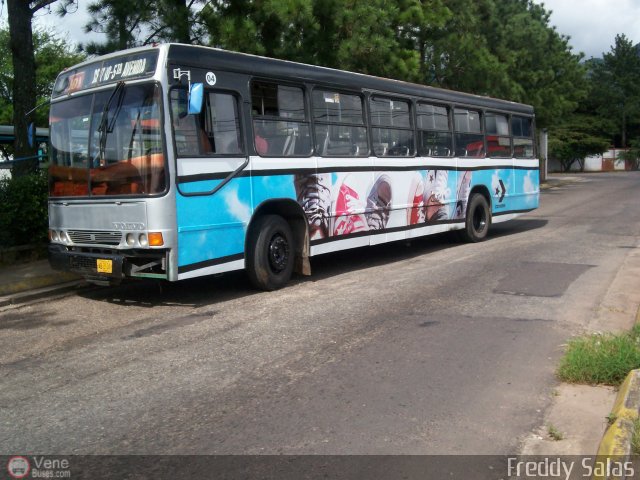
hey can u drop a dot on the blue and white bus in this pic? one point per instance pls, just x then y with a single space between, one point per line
176 161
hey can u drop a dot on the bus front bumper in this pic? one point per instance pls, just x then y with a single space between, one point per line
91 265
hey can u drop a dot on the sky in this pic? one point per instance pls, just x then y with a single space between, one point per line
591 24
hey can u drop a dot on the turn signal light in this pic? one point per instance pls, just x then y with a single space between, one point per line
155 239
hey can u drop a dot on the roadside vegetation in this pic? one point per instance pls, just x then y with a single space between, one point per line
635 438
23 210
601 358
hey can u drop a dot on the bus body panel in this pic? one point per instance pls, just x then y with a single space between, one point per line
211 228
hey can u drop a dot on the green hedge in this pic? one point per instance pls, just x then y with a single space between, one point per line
23 210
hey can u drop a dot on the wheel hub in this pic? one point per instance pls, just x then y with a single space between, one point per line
278 253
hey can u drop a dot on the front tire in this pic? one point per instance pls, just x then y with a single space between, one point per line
270 253
477 220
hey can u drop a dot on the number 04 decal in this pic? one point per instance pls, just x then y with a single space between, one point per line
211 78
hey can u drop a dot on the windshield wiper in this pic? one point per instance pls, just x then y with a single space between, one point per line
105 126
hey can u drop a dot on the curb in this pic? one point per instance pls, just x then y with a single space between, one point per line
616 442
37 282
40 293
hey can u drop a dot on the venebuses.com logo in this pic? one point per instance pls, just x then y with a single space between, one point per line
18 467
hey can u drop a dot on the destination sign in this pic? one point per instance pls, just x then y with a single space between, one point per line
113 70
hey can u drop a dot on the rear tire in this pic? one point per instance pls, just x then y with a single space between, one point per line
477 220
270 253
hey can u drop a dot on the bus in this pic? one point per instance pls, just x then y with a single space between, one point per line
176 161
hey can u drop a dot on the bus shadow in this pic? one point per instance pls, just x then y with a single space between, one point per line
209 290
196 293
518 225
336 263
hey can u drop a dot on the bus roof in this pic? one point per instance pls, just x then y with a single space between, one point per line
215 58
208 57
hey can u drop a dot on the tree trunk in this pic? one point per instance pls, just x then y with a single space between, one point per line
24 90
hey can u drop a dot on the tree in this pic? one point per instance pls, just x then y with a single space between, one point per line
132 23
544 71
20 14
616 88
357 35
121 20
52 55
459 56
176 21
576 139
632 155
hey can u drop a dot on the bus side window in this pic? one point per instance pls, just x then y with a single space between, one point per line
222 124
280 120
339 127
498 138
185 127
435 139
215 131
469 137
392 131
522 131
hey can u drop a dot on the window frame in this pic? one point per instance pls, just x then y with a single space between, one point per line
449 108
365 124
412 123
274 118
497 135
532 137
480 111
238 104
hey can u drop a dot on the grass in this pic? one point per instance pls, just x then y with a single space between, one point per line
611 418
554 433
635 439
601 359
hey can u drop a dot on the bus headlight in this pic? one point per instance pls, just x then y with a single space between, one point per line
54 236
131 239
143 240
64 238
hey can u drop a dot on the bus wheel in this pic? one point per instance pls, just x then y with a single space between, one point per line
478 219
270 253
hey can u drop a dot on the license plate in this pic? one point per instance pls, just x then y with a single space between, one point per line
104 266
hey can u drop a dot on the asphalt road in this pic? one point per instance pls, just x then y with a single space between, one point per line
429 348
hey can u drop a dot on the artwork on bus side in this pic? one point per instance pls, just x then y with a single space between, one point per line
339 204
347 203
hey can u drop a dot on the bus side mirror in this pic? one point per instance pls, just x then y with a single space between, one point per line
196 96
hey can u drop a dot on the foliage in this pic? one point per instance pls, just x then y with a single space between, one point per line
23 209
635 437
20 14
575 139
632 155
616 90
131 23
120 20
500 48
554 433
601 359
52 55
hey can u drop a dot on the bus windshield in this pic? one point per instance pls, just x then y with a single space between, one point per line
108 143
